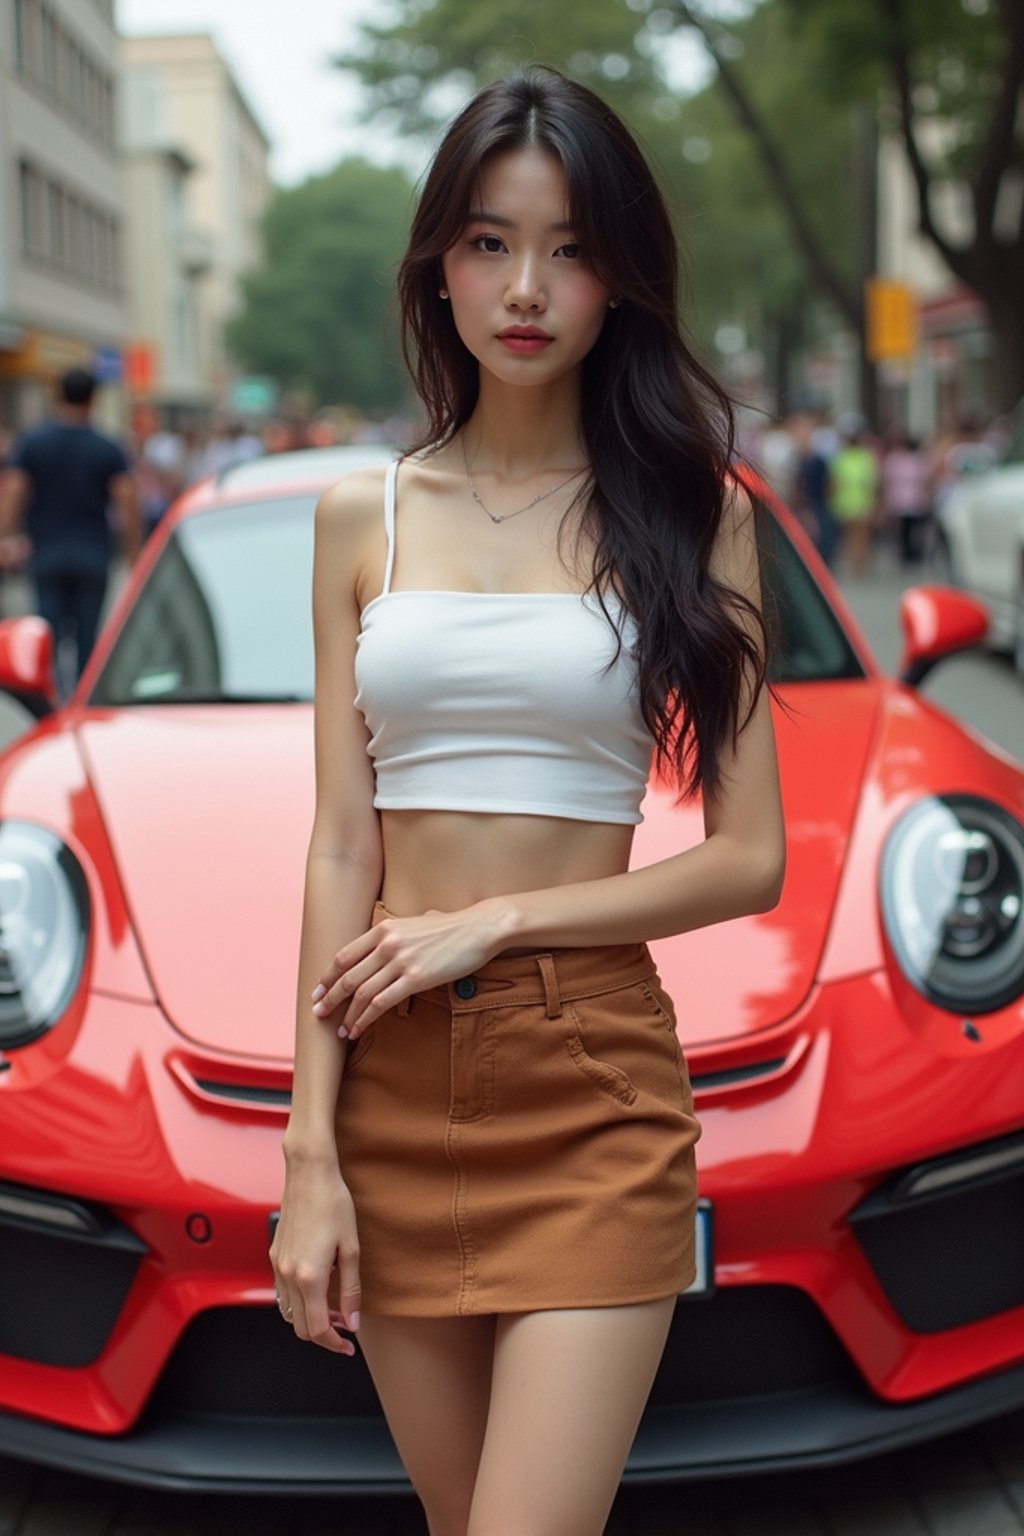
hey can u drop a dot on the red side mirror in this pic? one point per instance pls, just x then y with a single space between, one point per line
26 663
937 622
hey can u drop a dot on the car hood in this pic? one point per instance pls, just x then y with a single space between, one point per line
209 811
735 978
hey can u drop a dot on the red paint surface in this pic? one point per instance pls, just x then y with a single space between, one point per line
195 878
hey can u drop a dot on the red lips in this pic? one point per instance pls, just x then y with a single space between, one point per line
527 332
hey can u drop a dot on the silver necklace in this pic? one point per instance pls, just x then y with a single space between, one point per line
506 515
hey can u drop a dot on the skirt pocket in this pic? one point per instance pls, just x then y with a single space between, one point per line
625 1042
610 1079
660 1005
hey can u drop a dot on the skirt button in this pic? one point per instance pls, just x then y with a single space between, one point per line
465 988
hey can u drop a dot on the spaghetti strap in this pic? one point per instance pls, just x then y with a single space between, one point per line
389 522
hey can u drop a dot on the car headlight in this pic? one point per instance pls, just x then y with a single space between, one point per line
44 927
952 898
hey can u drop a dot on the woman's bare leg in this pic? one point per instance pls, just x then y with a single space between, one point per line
567 1393
433 1377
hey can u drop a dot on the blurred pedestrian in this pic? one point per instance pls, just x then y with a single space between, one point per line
230 443
853 492
778 457
907 495
60 483
163 473
817 448
958 451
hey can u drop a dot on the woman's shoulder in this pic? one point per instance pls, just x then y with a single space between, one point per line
354 502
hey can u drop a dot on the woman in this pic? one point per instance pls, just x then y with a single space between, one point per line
907 495
853 494
557 581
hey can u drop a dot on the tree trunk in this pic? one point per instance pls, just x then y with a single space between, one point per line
1006 316
864 190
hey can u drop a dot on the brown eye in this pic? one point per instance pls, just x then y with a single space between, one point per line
488 243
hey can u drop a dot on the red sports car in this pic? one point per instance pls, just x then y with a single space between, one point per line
857 1054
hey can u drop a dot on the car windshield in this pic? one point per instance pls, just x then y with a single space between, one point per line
224 616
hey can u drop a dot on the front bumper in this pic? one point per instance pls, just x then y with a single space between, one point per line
799 1357
820 1424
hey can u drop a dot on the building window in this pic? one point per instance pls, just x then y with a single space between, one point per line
49 58
21 34
62 230
49 55
25 190
55 244
75 239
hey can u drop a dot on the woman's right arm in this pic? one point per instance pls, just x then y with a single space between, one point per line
317 1226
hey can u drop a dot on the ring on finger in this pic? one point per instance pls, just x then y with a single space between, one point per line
285 1311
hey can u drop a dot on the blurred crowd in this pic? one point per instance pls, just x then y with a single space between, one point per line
74 500
853 488
167 460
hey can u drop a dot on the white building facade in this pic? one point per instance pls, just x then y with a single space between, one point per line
168 260
946 379
214 156
63 298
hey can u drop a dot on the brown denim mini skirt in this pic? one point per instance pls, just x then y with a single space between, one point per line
522 1138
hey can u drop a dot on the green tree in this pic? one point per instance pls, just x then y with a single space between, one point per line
316 313
746 266
948 73
742 262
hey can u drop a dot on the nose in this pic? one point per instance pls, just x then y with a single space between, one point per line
525 290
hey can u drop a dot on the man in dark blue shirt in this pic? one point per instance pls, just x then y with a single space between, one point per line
60 482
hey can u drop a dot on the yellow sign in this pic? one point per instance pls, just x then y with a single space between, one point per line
891 319
42 355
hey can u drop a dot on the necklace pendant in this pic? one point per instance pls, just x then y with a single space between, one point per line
495 519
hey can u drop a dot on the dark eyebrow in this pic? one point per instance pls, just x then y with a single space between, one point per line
478 216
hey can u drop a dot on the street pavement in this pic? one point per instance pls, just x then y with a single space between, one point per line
968 1484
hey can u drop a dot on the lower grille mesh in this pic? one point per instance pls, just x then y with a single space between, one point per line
60 1295
948 1258
241 1361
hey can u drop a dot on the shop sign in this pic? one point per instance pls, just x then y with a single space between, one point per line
106 365
43 355
140 367
254 395
891 319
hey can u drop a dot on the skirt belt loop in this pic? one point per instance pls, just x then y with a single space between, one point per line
546 966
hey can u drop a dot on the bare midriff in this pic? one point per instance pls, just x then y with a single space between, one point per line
446 860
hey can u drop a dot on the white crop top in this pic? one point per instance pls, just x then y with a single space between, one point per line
499 701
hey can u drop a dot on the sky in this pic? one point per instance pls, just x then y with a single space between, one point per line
279 55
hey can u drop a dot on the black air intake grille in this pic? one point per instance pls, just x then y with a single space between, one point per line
61 1292
748 1340
245 1360
954 1255
242 1361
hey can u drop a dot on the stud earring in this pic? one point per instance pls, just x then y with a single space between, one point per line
442 293
614 303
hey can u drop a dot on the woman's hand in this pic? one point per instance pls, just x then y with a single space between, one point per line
403 955
316 1230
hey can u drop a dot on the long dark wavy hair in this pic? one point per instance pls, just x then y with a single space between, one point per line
657 426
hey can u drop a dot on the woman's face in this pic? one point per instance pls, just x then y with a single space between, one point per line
524 303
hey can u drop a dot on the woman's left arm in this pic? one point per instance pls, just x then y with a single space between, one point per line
737 869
